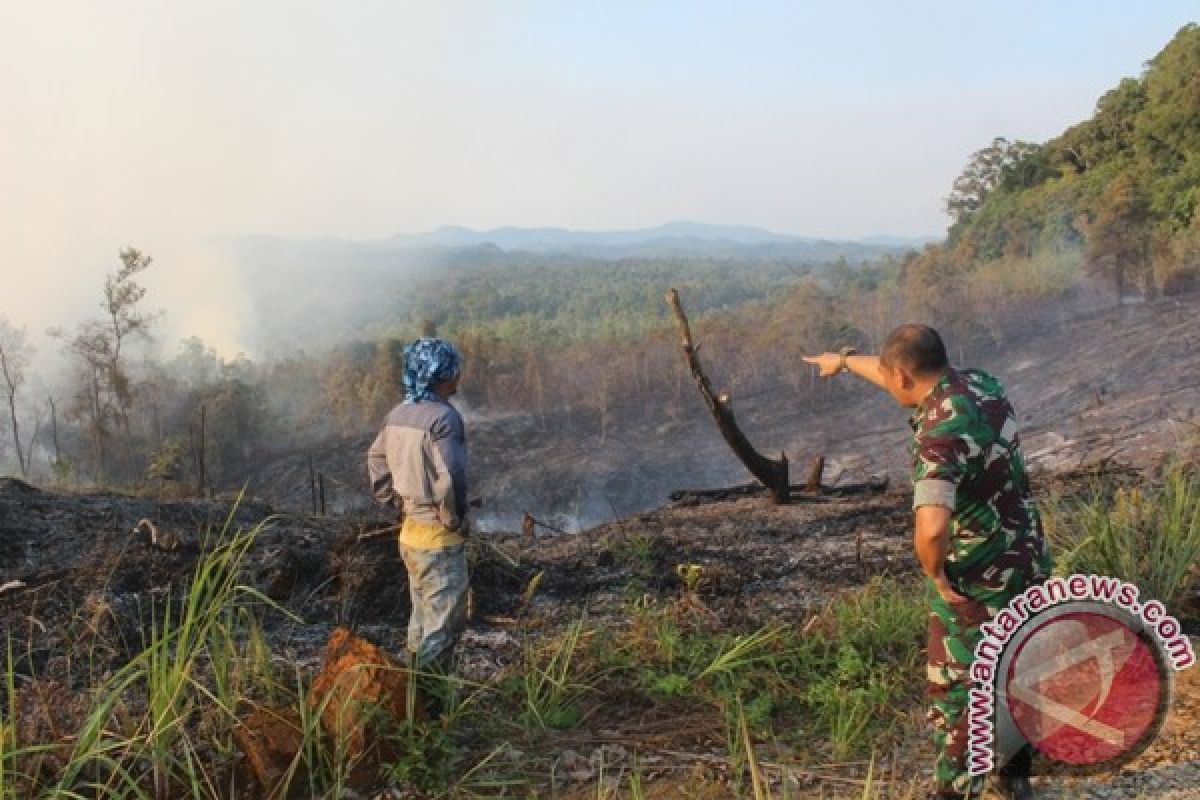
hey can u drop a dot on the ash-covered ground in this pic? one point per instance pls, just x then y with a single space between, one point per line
1120 384
90 585
82 586
85 572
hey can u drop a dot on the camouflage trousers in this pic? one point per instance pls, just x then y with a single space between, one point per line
953 634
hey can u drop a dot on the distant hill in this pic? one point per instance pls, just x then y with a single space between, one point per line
1119 192
559 283
672 239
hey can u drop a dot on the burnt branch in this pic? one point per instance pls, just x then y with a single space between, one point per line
800 493
771 474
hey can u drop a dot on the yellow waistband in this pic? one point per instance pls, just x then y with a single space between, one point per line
421 535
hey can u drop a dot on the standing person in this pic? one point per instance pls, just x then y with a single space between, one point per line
418 465
977 532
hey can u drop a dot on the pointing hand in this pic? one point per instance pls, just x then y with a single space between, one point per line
830 364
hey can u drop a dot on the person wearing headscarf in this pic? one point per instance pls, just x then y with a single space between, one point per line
418 466
428 362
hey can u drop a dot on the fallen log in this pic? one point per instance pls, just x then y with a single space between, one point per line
771 474
798 493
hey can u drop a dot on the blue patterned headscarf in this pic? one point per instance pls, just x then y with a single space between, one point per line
428 361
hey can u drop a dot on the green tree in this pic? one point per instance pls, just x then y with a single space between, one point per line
1117 234
104 395
1002 161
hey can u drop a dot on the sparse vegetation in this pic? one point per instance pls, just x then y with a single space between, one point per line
163 721
1149 536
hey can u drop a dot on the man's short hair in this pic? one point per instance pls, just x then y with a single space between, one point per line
917 347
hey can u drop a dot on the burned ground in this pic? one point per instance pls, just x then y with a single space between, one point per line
79 558
91 588
1119 383
88 587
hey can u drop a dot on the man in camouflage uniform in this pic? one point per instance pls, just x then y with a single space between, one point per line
977 532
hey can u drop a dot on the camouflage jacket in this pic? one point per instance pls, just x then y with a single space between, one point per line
967 456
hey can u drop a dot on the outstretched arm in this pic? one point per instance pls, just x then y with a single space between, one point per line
865 367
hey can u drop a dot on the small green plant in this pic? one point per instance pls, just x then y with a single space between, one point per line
689 576
635 551
636 792
758 781
671 684
668 641
8 730
882 619
550 689
1150 537
165 464
168 667
430 757
848 699
740 654
529 593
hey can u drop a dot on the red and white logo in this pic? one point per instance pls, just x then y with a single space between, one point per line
1085 686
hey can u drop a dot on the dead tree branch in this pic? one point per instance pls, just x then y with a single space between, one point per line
771 474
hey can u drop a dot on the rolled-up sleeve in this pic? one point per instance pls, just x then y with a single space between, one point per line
378 471
942 450
932 492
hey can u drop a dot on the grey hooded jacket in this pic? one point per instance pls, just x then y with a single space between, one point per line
418 463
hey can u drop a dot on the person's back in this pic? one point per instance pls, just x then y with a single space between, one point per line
422 447
418 464
967 455
976 532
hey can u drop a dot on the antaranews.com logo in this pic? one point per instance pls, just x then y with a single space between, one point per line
1078 668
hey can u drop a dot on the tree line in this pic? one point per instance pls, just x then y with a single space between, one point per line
1118 192
587 348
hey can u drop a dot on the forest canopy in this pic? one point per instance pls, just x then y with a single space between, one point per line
1120 189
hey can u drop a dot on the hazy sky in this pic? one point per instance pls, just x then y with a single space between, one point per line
162 124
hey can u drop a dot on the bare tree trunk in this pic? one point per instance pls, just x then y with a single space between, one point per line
312 483
37 428
97 431
12 380
772 474
12 415
158 437
198 447
200 451
119 382
814 476
54 430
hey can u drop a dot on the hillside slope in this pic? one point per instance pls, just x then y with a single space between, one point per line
1120 384
1121 188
